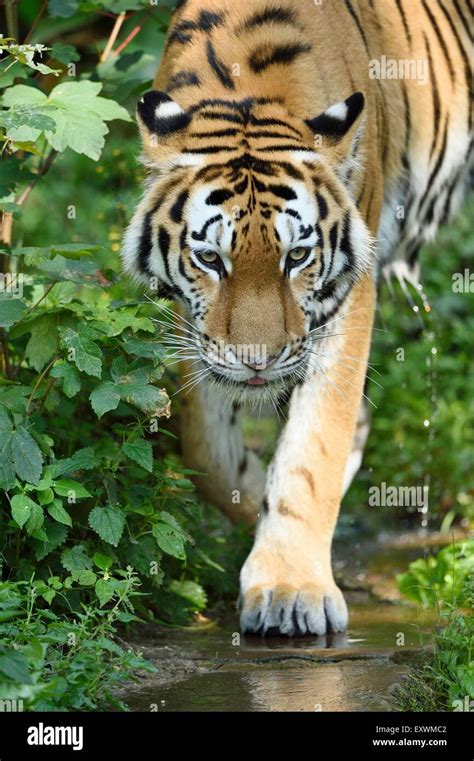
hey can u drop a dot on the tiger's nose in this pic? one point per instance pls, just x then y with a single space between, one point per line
264 363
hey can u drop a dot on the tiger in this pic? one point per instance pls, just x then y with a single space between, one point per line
296 152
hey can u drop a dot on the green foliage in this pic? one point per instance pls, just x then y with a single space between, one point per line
445 681
53 663
443 578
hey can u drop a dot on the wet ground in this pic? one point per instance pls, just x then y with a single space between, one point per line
212 667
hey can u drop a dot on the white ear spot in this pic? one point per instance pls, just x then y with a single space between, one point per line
338 111
167 109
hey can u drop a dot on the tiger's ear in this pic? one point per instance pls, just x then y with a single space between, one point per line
338 130
162 124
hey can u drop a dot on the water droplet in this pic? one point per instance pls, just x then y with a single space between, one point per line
426 423
434 350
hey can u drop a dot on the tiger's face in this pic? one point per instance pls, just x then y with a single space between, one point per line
251 229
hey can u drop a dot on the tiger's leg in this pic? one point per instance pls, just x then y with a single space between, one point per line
287 581
213 443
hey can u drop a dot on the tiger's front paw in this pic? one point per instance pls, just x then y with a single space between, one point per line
291 606
287 610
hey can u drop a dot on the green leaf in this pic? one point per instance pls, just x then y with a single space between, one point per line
82 350
83 459
76 559
141 452
11 311
36 118
64 53
169 540
108 523
56 536
14 665
80 117
62 8
57 511
43 341
27 457
104 398
102 561
104 590
35 522
85 578
71 380
190 591
22 508
66 487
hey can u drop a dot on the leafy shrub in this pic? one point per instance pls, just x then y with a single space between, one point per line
441 579
445 681
54 663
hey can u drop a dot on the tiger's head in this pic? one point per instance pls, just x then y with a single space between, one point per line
247 220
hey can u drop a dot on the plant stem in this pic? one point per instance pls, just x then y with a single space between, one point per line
6 357
113 36
35 22
11 14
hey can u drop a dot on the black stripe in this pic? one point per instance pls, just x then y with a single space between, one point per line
217 133
436 99
164 246
441 40
286 147
465 58
436 168
268 122
267 134
202 233
176 211
183 79
217 197
358 24
216 115
208 20
277 15
322 206
212 149
402 13
464 21
221 71
262 57
282 191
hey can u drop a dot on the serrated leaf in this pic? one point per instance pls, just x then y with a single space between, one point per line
11 311
66 487
102 561
82 350
57 511
27 457
35 522
76 559
83 459
191 591
22 508
141 452
108 523
169 540
85 578
104 398
104 590
71 380
43 341
56 536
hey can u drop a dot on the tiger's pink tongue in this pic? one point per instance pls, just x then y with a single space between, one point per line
256 381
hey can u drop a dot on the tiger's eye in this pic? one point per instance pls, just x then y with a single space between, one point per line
209 257
298 254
